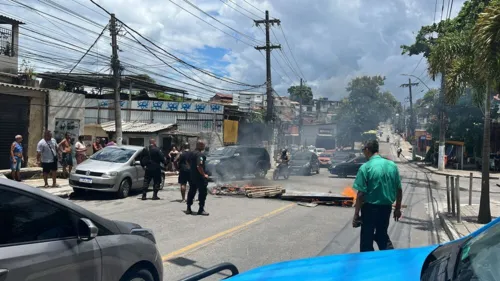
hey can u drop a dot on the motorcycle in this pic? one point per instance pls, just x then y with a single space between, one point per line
281 171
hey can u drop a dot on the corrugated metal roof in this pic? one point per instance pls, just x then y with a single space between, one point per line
136 127
24 87
8 20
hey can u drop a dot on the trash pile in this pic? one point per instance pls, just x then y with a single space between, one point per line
308 199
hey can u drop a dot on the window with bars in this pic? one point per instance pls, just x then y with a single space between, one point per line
6 47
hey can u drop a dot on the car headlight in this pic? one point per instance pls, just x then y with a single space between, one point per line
110 174
144 232
214 162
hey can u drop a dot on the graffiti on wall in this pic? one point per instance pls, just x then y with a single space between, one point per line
199 107
71 126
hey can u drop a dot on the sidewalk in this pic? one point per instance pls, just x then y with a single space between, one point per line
461 173
469 224
64 190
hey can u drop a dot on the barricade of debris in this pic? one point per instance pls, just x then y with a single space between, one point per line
248 190
308 199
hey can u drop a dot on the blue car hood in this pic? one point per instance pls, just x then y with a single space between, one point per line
393 265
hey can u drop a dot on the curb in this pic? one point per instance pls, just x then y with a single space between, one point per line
448 227
445 174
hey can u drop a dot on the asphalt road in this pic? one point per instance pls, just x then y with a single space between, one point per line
254 232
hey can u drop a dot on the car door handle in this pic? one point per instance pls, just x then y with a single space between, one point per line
3 274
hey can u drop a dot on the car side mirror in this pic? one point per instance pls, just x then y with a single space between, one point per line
86 230
137 163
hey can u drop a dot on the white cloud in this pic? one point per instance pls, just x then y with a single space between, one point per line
333 41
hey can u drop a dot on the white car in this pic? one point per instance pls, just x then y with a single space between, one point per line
320 151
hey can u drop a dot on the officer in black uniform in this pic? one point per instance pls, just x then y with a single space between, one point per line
184 169
151 159
199 179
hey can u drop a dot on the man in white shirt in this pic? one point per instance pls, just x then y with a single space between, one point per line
47 157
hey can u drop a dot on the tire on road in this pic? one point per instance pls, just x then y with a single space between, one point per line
124 189
138 275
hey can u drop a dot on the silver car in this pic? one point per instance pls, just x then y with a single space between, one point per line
46 238
112 169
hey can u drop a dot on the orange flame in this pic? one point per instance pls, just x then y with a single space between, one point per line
349 192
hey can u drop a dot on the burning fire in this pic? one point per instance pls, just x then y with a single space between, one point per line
349 192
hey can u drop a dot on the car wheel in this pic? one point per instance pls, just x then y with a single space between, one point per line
138 275
260 173
124 188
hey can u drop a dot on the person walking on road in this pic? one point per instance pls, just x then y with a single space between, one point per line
378 184
151 159
16 157
184 169
199 179
46 157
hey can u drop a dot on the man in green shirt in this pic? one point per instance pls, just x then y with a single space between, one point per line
378 185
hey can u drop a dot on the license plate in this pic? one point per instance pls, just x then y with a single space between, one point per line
85 180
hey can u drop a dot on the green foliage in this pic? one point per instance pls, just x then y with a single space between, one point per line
298 93
364 108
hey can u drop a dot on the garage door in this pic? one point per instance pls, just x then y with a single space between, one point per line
14 120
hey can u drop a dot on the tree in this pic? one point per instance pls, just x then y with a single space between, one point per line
301 94
486 42
364 108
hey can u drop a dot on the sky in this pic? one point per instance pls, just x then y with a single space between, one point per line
325 42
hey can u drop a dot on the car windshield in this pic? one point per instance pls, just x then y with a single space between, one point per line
113 154
223 151
479 259
302 156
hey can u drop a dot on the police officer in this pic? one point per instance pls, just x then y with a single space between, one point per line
151 159
199 179
182 161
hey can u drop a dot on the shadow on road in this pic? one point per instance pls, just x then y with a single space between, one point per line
184 262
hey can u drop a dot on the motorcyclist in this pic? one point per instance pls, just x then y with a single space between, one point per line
387 138
399 151
284 158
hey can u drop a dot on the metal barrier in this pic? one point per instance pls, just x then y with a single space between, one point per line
453 195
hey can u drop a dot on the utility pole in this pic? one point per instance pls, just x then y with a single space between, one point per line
115 64
268 47
300 113
442 124
412 113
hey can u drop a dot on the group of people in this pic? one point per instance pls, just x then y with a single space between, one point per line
49 154
192 171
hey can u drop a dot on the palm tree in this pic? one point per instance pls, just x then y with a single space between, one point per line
487 62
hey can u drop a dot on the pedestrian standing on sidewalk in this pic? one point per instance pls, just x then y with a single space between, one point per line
151 159
183 163
378 185
96 146
46 157
81 150
16 157
199 179
66 155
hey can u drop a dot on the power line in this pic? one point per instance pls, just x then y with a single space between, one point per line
91 46
290 49
254 7
212 17
250 12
